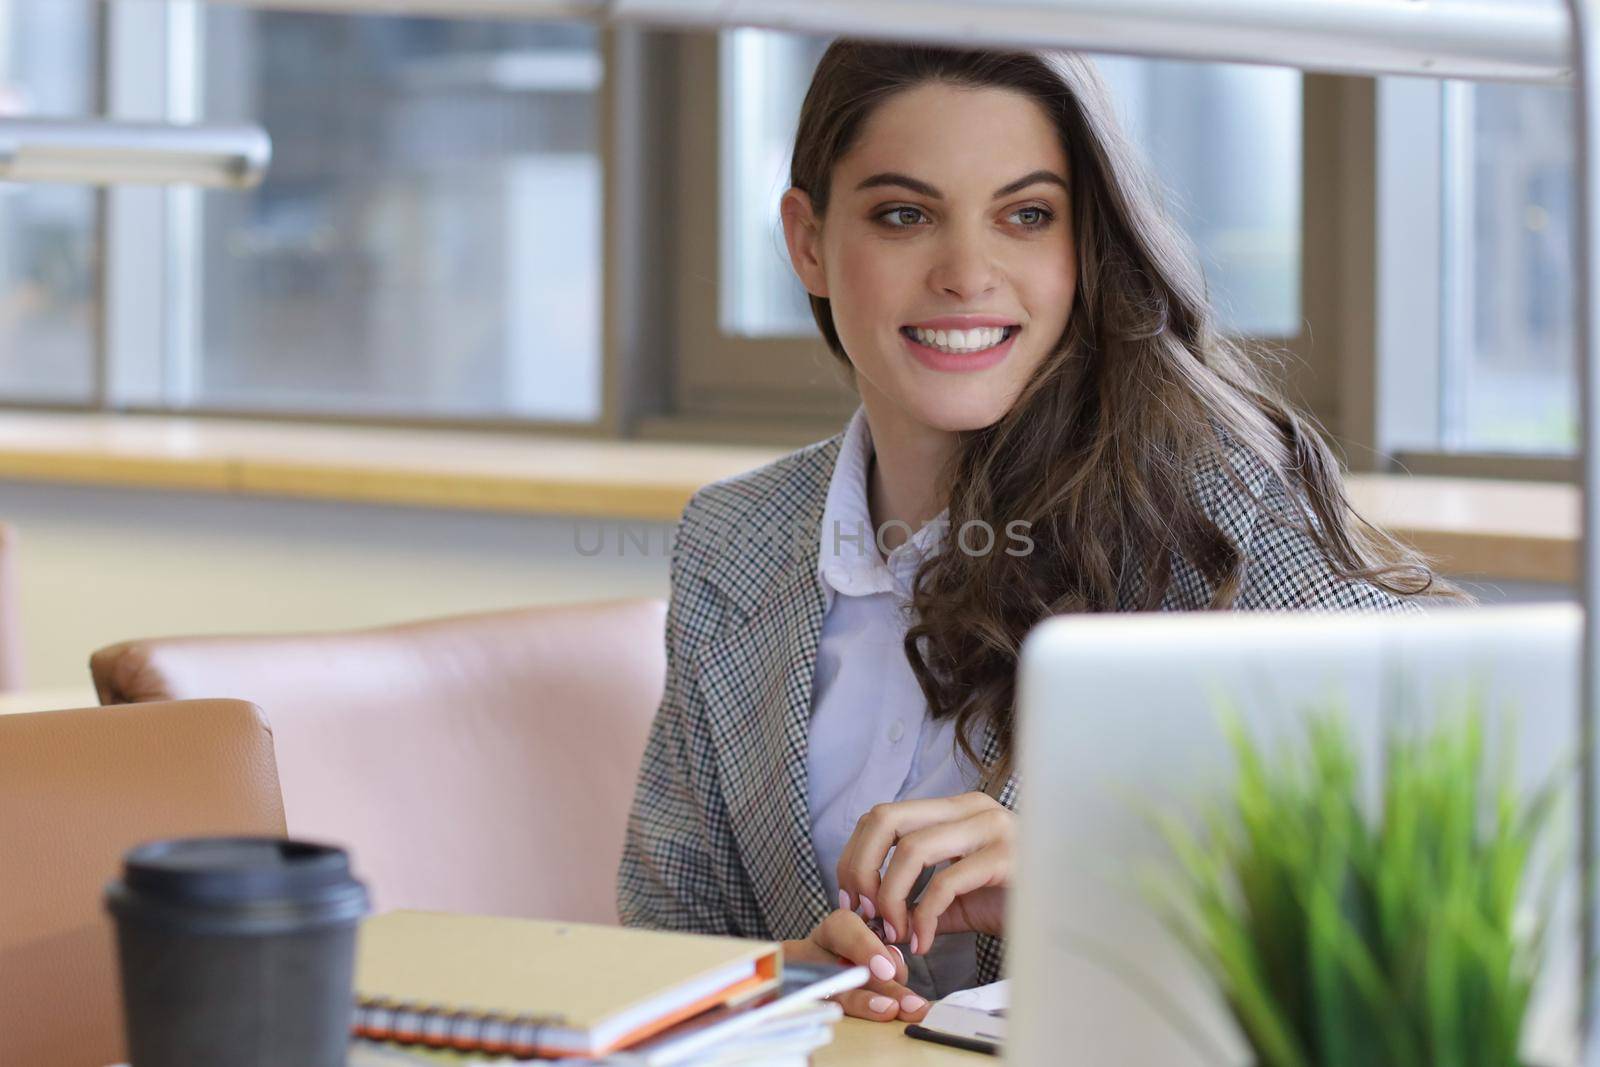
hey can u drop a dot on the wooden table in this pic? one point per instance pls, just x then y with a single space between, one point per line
886 1045
855 1042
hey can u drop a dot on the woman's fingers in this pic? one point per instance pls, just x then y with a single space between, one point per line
973 880
846 937
878 831
868 1004
881 1007
845 934
930 846
806 950
875 833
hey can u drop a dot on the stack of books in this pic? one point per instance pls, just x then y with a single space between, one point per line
526 989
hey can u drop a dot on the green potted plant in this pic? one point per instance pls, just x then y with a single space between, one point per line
1388 927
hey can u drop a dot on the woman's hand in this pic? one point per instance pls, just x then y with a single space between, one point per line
973 831
844 937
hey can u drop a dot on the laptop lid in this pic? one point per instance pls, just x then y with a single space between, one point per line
1120 714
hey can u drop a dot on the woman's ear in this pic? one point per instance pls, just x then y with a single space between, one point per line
802 232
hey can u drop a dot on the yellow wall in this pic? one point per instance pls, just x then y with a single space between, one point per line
102 565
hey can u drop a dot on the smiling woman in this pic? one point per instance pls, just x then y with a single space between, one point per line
1050 422
940 249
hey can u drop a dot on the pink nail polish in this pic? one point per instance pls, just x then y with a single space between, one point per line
912 1002
879 1005
882 968
888 931
844 900
867 910
913 942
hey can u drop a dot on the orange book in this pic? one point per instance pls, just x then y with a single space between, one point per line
525 987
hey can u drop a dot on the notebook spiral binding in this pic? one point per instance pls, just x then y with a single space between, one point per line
440 1026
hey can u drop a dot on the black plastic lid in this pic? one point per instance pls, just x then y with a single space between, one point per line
240 882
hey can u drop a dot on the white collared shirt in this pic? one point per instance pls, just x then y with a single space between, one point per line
872 740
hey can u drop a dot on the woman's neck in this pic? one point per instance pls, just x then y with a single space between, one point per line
902 480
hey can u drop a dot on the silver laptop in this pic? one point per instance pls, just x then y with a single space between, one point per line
1121 712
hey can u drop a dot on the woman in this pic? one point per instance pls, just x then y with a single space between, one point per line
1050 422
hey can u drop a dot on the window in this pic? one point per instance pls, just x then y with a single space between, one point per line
428 238
1224 140
427 243
1476 274
48 303
1509 371
764 80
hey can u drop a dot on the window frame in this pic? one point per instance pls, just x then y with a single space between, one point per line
717 377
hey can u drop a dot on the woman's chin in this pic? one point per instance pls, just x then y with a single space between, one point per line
942 402
957 410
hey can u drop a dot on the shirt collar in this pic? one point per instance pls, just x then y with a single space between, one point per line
848 559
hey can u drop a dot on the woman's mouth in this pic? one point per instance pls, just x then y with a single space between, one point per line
960 350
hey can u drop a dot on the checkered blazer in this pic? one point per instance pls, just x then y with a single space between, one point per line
719 840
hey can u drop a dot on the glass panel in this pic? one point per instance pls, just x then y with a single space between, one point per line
1225 142
48 234
428 239
764 81
1195 122
1509 365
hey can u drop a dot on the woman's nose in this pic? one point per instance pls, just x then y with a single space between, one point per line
965 268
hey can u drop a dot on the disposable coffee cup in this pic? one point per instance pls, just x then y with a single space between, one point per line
236 952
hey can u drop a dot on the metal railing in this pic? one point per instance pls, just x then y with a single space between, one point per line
132 153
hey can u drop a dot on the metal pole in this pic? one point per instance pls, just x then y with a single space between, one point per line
1478 39
110 153
1588 272
1432 38
462 9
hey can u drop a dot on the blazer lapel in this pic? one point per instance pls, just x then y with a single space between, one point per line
757 681
756 678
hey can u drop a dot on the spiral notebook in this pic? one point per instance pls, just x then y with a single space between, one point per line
529 988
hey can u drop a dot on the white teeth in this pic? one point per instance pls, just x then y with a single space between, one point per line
961 341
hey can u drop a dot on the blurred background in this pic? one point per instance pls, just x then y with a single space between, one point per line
541 227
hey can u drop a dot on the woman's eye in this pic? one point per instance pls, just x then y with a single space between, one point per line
897 217
1036 217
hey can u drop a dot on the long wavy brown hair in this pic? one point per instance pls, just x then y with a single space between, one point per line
1102 451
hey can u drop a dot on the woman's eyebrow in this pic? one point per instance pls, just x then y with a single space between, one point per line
924 189
1031 179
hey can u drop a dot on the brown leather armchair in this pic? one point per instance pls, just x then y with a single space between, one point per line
77 790
10 622
484 763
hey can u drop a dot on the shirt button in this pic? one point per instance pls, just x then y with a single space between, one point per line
897 730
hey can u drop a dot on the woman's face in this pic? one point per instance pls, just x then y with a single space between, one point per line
946 253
